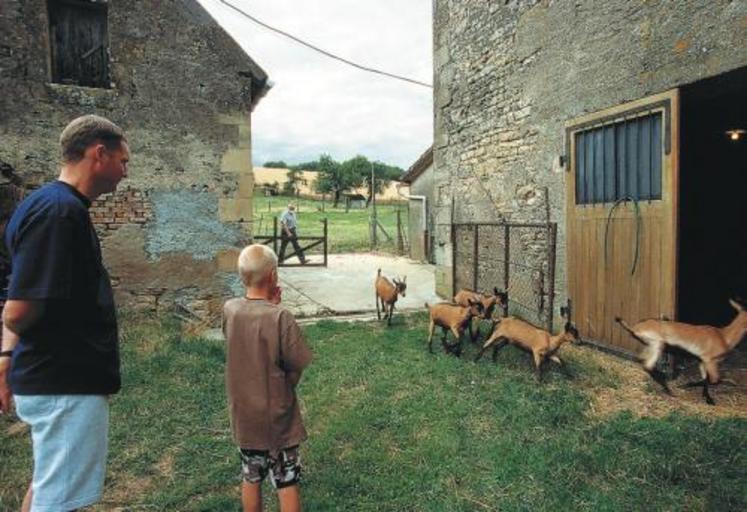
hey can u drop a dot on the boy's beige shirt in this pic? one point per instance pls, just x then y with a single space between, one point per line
265 344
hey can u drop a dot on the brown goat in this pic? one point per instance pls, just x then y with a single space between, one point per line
489 302
707 343
387 293
539 342
454 318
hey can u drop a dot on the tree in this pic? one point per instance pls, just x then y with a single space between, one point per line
334 178
276 165
384 174
292 187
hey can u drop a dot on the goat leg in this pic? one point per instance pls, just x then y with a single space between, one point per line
457 347
378 313
563 366
431 328
661 379
501 343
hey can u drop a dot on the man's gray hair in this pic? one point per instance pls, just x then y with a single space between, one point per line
86 130
255 262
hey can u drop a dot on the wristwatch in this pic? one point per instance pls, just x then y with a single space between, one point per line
6 353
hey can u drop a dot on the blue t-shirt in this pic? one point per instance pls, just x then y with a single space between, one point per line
55 257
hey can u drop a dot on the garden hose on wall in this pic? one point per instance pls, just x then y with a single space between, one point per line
637 229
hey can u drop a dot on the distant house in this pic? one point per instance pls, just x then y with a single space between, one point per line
273 175
354 200
420 179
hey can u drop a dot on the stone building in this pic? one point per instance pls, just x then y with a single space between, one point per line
183 91
420 221
619 121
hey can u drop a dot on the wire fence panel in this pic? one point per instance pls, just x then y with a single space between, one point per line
513 257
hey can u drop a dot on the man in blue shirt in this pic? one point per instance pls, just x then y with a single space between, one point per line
60 352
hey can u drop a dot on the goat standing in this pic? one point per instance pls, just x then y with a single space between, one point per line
489 302
454 318
387 293
707 343
539 342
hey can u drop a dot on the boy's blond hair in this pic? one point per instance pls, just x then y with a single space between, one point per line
255 262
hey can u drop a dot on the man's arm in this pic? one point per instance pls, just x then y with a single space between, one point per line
8 343
19 315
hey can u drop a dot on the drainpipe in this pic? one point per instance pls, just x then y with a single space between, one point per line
424 199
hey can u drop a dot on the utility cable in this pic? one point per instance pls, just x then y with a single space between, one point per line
323 52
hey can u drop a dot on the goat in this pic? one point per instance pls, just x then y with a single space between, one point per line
707 343
387 293
488 303
454 318
539 342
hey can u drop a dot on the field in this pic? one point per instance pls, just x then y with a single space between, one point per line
394 428
348 231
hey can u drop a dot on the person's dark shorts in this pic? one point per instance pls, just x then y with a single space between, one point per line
284 469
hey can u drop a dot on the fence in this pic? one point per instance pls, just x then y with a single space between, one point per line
306 243
516 257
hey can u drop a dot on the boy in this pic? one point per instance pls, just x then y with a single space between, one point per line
266 354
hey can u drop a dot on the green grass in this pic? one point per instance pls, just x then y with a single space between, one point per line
393 427
348 231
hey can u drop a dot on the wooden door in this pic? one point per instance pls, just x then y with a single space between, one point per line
622 254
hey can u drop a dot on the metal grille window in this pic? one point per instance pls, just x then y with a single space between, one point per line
78 42
619 159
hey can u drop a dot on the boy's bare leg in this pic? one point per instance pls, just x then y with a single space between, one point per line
290 499
251 496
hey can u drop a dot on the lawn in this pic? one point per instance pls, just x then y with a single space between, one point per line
348 231
394 428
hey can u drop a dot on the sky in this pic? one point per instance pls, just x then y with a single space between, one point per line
318 105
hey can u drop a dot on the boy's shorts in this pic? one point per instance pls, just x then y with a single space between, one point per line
69 434
284 468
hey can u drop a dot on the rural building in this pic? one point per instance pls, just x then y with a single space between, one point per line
183 91
273 175
354 200
619 122
420 221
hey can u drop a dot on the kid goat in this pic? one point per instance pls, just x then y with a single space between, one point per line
387 293
454 318
707 343
539 342
489 302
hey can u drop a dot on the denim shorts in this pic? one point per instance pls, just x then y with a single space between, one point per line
69 434
284 467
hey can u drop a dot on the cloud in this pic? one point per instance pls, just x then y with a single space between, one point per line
318 105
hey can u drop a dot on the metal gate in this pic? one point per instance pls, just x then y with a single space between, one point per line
516 257
274 240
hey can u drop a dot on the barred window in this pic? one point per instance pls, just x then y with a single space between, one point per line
619 159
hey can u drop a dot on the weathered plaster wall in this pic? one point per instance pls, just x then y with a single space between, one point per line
509 74
182 91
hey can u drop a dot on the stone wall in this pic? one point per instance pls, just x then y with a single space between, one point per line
183 91
509 74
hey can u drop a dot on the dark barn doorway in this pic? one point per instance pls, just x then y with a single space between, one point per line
713 199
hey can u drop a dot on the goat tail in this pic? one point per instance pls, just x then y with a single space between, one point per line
628 328
378 273
427 306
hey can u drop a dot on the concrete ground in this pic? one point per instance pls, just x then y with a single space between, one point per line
346 286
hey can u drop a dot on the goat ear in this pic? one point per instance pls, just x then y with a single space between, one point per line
736 305
404 279
495 291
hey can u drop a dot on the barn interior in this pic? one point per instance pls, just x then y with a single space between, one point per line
712 198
